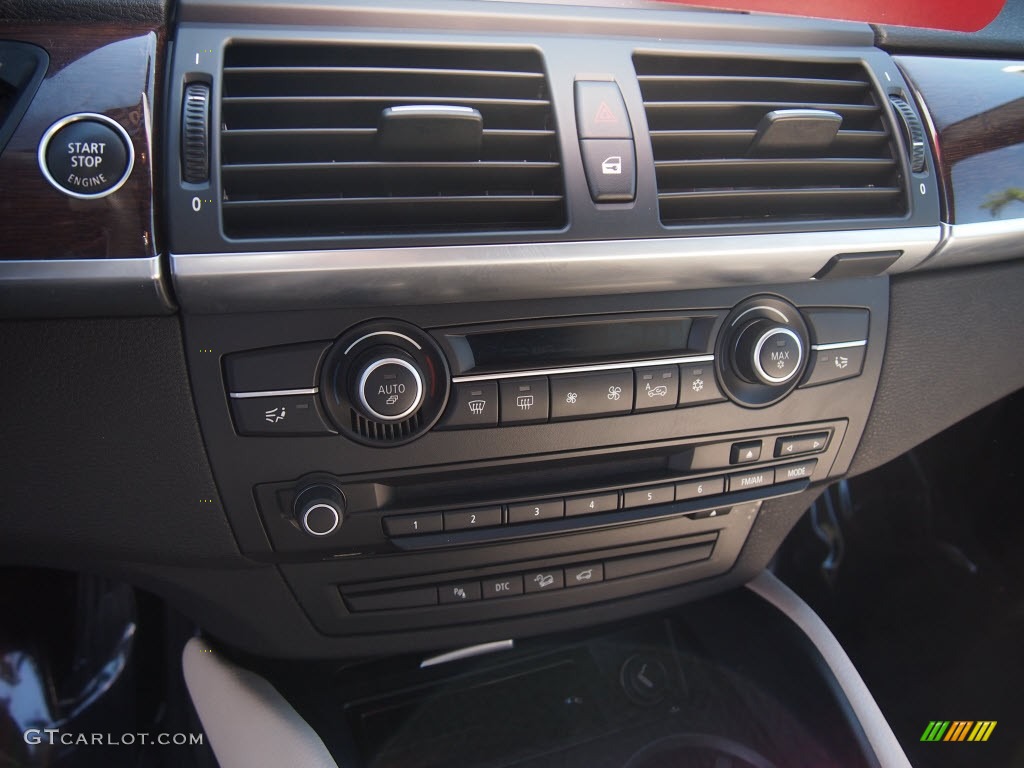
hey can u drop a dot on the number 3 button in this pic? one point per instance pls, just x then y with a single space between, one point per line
548 509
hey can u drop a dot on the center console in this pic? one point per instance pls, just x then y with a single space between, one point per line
475 467
489 328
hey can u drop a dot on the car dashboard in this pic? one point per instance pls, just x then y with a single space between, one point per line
354 329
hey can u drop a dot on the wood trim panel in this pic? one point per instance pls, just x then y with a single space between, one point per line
106 68
977 110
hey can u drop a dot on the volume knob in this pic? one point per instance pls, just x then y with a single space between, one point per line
319 509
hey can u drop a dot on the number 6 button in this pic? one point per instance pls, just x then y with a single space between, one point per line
696 489
549 509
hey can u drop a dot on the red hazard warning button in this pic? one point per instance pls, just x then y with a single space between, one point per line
600 111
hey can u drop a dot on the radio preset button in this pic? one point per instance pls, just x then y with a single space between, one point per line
524 401
657 388
410 525
697 489
591 394
465 519
550 509
591 505
645 497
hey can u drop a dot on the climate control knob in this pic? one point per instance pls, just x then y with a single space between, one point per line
388 384
768 352
319 509
761 353
384 383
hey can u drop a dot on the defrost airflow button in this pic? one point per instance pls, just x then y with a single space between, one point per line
86 155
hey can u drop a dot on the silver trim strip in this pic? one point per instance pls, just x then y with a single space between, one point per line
879 734
381 333
83 288
839 345
44 144
241 282
274 393
468 653
584 368
978 243
305 520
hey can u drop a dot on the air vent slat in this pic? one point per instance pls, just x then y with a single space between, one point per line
774 203
311 145
383 179
773 173
356 216
718 88
301 153
706 116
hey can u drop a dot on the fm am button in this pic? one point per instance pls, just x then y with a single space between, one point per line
86 155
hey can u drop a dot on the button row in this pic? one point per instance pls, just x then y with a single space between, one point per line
548 580
572 506
695 549
534 400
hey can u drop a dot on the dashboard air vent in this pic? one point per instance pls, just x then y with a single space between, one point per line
329 140
750 140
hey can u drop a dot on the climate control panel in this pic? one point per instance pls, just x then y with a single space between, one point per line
386 383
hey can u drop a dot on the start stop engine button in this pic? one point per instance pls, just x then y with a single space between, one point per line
86 155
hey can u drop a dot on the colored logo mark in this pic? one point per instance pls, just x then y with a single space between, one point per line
958 730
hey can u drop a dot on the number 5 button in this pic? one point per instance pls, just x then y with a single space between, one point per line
548 509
